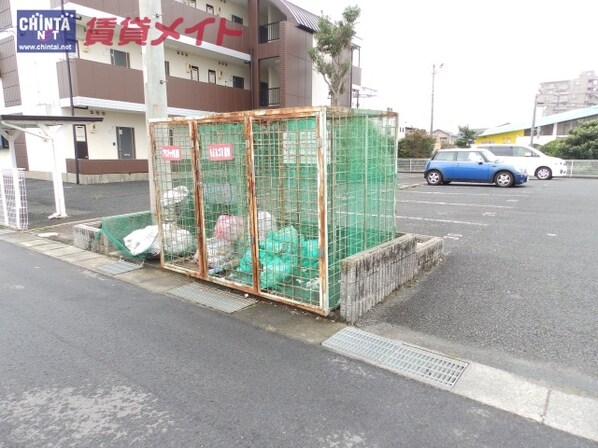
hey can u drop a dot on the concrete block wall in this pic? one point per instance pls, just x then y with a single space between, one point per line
85 236
368 277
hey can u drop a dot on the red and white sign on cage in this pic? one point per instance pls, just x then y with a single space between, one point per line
222 151
171 152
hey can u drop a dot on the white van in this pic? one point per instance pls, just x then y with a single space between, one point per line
535 162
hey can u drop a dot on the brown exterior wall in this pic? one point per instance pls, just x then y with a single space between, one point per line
109 82
8 60
295 66
98 80
107 166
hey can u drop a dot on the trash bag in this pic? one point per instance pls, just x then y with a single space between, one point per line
177 240
229 227
143 241
310 254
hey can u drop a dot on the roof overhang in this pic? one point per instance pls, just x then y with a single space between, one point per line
33 121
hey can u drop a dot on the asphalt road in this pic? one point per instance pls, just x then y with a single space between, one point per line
89 361
85 201
517 288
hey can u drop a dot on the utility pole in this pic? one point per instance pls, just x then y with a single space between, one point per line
154 82
533 129
432 108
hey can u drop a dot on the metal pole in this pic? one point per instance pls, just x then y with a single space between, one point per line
154 83
533 129
432 106
72 104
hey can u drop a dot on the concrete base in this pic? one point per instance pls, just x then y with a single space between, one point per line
88 237
368 277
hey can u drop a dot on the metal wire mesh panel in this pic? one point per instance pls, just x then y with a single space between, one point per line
361 184
286 180
13 200
282 196
223 167
174 180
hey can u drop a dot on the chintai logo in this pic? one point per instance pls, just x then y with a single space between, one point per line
46 31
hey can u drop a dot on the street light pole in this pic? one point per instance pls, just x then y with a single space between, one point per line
432 106
533 129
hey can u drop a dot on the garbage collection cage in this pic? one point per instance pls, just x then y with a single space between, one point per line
271 201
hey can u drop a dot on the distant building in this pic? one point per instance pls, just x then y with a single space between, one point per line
443 138
562 96
546 129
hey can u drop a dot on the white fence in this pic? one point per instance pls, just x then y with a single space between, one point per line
13 200
575 168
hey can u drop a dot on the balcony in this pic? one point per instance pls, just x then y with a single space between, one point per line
108 82
269 32
270 97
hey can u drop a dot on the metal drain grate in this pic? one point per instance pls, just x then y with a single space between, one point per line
120 267
397 356
211 297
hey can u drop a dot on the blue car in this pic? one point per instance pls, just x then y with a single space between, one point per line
472 165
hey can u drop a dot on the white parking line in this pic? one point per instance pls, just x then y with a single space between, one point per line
454 203
449 221
463 194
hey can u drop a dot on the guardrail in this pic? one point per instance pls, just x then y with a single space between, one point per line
575 168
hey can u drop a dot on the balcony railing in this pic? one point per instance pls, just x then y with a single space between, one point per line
269 32
120 84
270 97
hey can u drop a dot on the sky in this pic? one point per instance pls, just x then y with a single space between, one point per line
495 55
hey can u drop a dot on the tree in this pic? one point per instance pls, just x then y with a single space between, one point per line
331 55
466 137
417 145
582 143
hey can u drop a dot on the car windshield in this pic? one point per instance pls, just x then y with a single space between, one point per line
488 155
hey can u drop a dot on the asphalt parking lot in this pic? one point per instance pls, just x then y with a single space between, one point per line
517 287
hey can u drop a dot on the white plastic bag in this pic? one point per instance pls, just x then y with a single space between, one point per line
143 240
176 240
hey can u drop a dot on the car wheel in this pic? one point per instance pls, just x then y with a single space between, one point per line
434 177
544 173
504 179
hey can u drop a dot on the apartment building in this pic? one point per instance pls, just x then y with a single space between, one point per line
562 96
219 56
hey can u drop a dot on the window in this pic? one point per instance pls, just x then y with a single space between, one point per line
4 143
212 76
237 19
504 151
194 72
120 58
193 3
167 68
446 155
521 151
469 156
209 9
238 82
